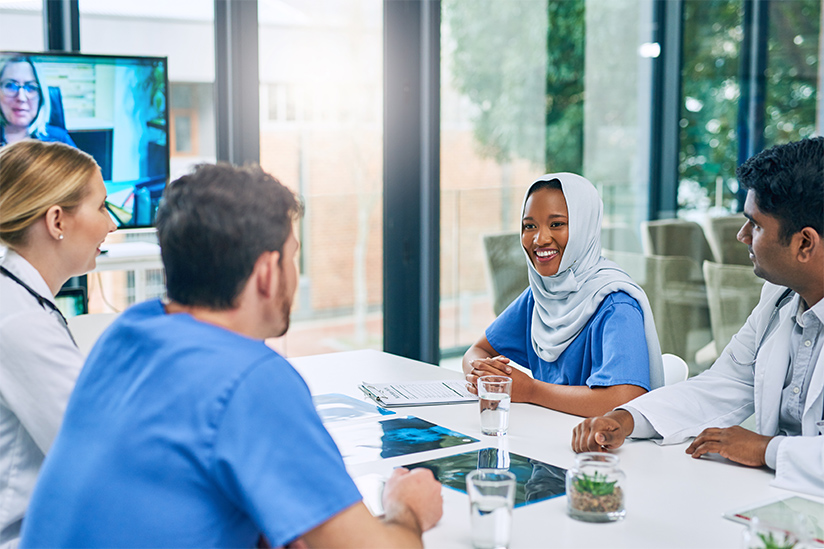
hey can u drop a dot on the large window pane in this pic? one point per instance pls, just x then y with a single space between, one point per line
22 25
528 88
617 92
713 35
183 31
793 71
711 92
321 135
493 81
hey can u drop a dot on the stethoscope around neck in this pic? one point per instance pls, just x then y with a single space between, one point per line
780 302
45 303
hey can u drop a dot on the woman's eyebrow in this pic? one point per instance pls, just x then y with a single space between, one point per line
551 216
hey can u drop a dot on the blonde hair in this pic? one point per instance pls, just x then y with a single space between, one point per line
34 176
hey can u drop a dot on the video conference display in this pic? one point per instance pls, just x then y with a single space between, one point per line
114 108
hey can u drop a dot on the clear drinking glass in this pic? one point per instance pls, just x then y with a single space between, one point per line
494 393
595 488
491 499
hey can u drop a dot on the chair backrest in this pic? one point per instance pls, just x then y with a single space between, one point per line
721 235
506 267
675 288
620 238
733 292
633 263
86 329
669 237
675 369
56 116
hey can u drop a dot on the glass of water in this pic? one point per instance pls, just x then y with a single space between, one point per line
494 393
491 498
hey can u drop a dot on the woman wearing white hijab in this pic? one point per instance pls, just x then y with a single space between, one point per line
583 327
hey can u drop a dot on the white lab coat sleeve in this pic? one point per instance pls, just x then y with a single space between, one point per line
722 396
39 365
800 465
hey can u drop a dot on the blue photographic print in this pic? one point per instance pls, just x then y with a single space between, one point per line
536 480
360 442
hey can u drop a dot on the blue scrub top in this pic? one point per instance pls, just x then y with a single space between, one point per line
184 434
610 350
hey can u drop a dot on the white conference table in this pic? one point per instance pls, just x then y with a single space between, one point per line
672 500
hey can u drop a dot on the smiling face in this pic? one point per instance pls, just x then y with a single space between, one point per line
21 108
545 229
772 259
86 228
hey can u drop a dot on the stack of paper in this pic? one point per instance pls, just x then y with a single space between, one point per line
418 393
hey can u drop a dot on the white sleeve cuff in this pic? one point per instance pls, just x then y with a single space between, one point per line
771 455
643 428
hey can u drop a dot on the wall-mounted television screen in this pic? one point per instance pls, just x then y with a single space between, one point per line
114 108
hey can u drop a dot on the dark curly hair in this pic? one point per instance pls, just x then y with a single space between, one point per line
788 182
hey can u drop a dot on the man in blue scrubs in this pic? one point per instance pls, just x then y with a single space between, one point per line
185 429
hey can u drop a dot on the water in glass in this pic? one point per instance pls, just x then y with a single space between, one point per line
494 413
491 521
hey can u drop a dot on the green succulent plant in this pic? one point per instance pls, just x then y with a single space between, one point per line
771 543
597 484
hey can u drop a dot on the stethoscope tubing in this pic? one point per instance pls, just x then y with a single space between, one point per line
780 302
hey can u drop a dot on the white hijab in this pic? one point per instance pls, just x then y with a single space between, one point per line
565 301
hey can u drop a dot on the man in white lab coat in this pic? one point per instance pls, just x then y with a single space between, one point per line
774 366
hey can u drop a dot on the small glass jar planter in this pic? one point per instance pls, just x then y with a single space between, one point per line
595 488
760 535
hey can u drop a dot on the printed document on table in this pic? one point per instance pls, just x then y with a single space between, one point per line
418 393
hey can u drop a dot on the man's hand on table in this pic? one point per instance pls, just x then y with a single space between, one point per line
413 497
734 443
607 432
602 433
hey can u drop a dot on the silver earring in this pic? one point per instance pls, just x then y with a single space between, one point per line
60 237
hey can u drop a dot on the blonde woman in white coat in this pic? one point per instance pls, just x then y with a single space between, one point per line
53 221
774 366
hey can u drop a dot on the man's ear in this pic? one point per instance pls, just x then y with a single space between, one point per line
808 245
55 220
267 273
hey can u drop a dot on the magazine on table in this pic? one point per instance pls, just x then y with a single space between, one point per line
370 440
535 480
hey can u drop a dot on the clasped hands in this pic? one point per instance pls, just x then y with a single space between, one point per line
607 432
522 383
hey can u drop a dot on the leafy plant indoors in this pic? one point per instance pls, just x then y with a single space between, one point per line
771 543
597 484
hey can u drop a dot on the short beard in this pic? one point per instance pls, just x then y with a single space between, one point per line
286 304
